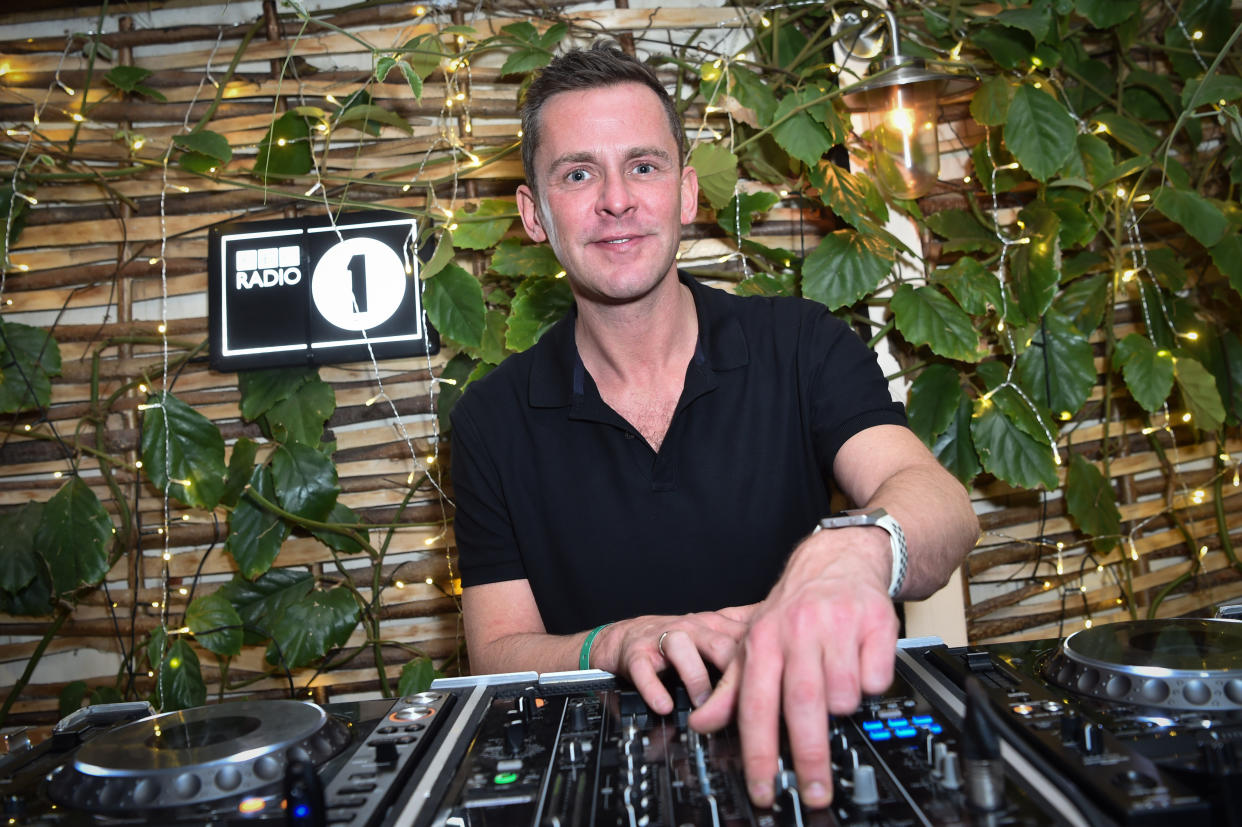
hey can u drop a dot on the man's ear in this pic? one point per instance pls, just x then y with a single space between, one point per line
529 210
689 194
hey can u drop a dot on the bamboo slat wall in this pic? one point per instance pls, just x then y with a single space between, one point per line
103 264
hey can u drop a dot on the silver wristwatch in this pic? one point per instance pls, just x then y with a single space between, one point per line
876 517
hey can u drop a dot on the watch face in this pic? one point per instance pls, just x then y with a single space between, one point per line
843 519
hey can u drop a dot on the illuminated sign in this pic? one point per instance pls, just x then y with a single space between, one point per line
315 291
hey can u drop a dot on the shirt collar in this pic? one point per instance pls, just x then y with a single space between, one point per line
721 347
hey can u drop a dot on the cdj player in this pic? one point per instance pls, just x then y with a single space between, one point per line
1128 724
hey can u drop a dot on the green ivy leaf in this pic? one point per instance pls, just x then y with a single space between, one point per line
267 597
716 167
1058 367
453 300
753 93
1010 48
205 142
130 79
215 623
1039 131
343 515
1009 453
735 218
1105 14
369 117
261 389
1084 300
1148 371
537 305
1211 90
1091 501
1077 229
484 227
19 553
1128 132
285 151
182 451
852 197
416 676
440 257
962 232
306 629
423 53
105 695
513 258
1167 267
934 399
955 449
798 132
974 286
256 534
1199 393
180 678
306 482
71 697
926 317
1036 21
157 642
29 357
1196 214
844 267
492 349
450 387
1035 265
990 104
301 416
74 536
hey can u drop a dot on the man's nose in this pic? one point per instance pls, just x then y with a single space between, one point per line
616 196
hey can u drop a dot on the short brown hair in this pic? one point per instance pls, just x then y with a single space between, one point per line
603 64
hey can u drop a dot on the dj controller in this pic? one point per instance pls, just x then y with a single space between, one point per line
1127 724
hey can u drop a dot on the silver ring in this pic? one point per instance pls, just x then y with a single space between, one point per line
660 644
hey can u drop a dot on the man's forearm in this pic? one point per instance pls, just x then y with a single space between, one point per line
938 521
527 652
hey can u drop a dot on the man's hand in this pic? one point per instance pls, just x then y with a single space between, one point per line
826 634
642 647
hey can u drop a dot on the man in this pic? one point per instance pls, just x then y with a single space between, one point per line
638 490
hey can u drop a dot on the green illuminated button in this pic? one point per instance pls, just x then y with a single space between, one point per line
505 777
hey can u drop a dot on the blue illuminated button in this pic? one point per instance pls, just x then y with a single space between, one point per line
872 726
880 735
905 731
898 722
935 729
920 720
301 811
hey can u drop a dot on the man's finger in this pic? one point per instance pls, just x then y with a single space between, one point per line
758 716
679 649
806 720
717 710
642 672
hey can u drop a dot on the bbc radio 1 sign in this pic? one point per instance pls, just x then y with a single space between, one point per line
313 291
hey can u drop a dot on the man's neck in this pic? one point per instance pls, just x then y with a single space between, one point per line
639 342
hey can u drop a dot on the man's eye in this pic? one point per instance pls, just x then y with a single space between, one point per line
578 175
644 168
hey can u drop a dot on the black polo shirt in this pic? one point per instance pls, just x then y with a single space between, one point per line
553 486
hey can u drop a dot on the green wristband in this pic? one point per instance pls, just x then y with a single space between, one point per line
584 657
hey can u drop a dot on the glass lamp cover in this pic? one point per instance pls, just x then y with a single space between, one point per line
905 148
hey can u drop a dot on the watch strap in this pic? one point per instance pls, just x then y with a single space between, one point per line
897 539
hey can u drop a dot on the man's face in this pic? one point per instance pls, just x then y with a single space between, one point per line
612 196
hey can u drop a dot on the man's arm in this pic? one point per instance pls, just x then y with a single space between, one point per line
827 631
505 633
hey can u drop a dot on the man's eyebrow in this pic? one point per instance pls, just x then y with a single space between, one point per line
584 157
